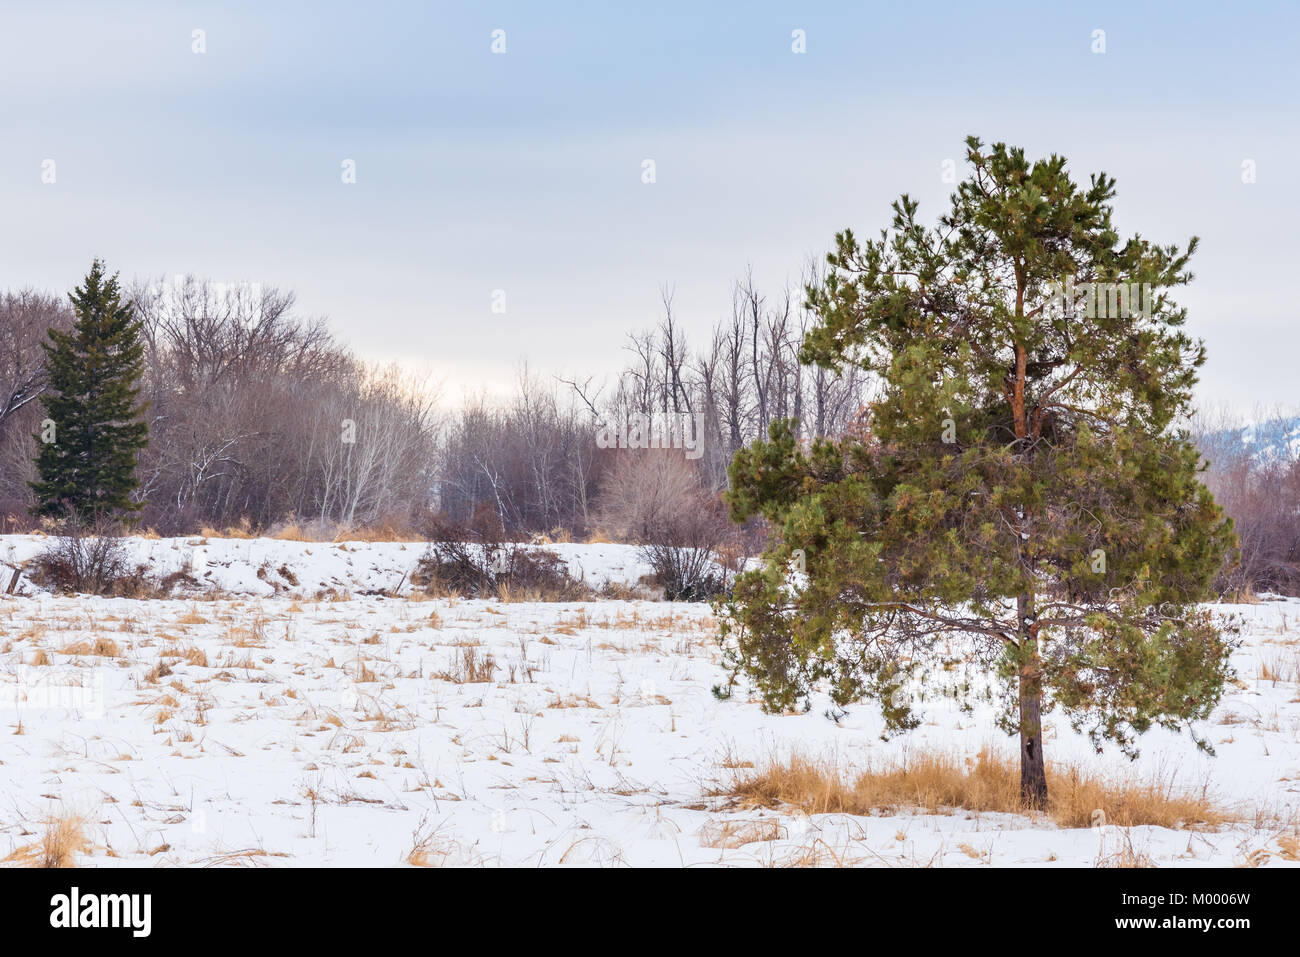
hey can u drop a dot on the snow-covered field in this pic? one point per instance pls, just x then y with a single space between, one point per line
263 729
256 566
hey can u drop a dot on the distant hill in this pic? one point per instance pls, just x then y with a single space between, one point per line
1269 440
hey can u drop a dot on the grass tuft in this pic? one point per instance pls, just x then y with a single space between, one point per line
942 783
64 838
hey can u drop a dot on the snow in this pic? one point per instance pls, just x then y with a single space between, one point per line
232 565
1272 440
331 732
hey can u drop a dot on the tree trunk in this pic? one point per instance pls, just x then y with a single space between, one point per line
1033 769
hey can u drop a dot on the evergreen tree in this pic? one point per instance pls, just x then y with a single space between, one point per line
1021 478
87 471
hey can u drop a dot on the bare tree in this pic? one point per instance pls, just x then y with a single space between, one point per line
26 317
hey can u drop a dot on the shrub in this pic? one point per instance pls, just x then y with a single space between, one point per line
85 559
686 573
454 562
655 497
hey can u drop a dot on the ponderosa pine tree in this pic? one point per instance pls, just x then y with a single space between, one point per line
1021 481
88 471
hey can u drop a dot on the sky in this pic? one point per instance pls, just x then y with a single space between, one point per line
516 178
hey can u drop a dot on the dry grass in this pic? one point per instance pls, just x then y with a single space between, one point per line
1125 857
232 531
157 673
430 849
190 655
821 853
64 838
470 665
729 835
521 594
195 656
384 530
939 783
249 857
573 701
380 532
1290 847
1281 666
1245 595
252 636
103 647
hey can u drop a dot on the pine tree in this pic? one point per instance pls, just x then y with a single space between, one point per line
86 463
1022 479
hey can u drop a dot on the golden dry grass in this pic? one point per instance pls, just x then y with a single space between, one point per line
1245 595
384 530
939 782
251 636
381 532
729 835
1290 847
469 665
1125 857
573 701
231 531
102 647
190 655
1280 666
64 838
429 849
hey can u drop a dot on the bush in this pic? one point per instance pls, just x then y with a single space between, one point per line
456 563
686 573
88 560
655 497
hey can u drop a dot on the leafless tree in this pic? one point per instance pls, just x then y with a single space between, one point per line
26 316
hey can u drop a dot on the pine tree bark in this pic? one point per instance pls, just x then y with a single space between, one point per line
1033 768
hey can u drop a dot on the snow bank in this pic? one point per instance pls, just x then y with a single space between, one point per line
263 567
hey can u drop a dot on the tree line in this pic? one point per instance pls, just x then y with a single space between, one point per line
248 404
253 414
257 416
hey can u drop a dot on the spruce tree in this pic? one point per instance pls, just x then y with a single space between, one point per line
1021 479
87 471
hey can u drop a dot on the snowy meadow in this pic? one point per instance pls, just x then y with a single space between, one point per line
292 712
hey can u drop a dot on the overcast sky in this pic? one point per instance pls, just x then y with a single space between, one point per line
522 171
